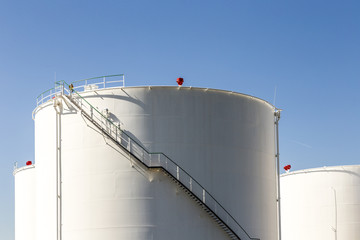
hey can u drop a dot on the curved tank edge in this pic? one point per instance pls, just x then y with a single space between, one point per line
23 168
41 106
319 169
203 89
36 109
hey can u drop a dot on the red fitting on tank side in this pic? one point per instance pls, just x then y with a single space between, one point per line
180 81
28 163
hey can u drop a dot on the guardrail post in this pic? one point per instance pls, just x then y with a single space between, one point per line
131 163
203 196
177 172
191 184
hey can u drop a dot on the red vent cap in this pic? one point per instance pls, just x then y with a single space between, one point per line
287 167
180 81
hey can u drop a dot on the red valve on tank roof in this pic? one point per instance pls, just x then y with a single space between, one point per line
180 81
28 163
287 167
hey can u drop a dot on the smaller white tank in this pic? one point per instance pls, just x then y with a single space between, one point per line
25 204
321 204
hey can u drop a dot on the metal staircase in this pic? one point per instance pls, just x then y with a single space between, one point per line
160 161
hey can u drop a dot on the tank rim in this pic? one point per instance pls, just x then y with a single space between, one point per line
341 168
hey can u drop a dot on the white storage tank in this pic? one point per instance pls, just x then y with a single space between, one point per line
25 203
321 204
224 140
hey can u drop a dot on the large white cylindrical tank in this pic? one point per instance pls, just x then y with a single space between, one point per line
25 203
321 204
224 140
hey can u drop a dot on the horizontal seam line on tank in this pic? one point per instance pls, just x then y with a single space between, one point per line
252 149
117 199
127 226
102 173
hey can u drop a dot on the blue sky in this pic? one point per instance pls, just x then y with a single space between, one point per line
309 51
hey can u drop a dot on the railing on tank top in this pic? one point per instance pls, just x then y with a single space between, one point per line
155 160
88 84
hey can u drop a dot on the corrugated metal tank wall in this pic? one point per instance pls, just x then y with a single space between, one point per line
321 204
224 140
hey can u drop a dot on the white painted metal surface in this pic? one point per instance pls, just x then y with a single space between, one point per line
321 204
25 203
45 157
225 140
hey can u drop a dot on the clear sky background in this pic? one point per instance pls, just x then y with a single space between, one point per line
308 50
